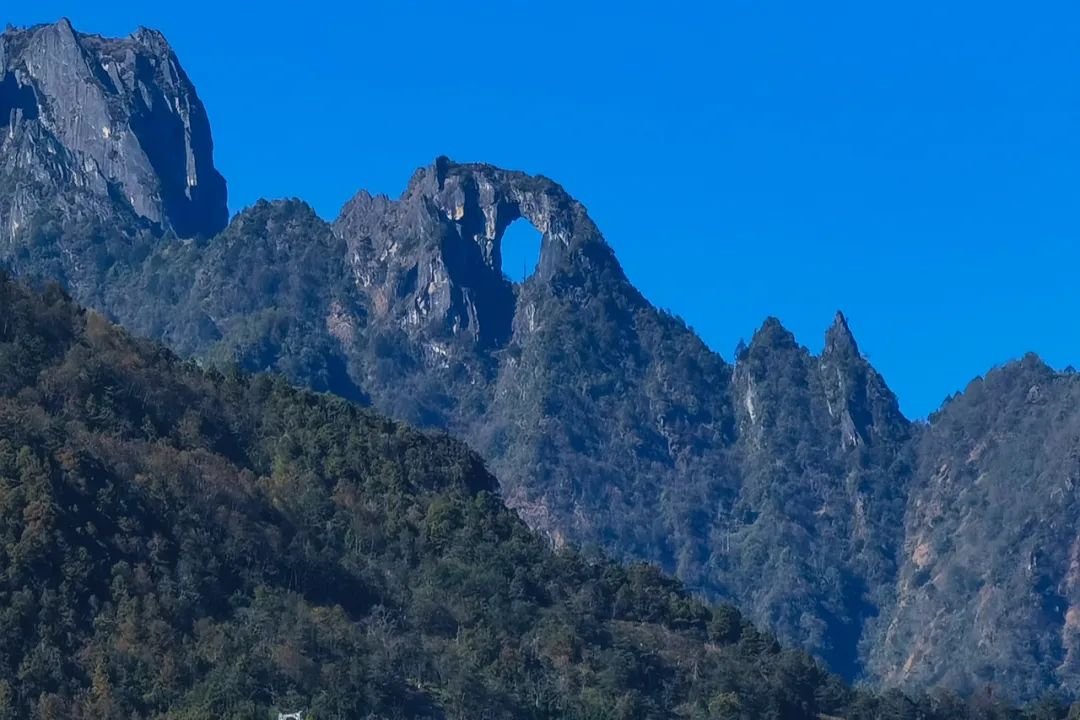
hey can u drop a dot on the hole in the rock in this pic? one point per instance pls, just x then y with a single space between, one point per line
16 97
520 251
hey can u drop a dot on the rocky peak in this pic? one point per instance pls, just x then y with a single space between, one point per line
771 344
483 200
435 255
856 394
839 340
838 389
772 337
126 114
773 359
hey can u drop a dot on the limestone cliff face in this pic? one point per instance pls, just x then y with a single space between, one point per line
105 120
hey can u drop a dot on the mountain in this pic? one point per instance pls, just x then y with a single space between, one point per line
117 120
909 554
176 543
992 533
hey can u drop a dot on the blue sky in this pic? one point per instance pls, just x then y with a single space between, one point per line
917 166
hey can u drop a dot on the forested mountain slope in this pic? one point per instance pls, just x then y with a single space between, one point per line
787 483
183 544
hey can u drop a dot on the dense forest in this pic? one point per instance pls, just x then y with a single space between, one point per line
184 543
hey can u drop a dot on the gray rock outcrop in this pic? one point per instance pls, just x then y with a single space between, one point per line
104 120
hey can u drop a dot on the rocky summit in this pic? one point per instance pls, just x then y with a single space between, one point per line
937 553
90 122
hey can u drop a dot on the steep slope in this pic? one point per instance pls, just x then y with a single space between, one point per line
180 544
610 423
788 483
104 145
825 462
988 590
271 291
533 365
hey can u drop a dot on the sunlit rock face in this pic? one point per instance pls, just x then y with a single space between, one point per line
439 247
110 119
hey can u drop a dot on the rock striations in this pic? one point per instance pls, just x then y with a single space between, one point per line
105 121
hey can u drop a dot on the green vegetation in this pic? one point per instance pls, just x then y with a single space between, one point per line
177 543
788 484
182 544
191 544
914 556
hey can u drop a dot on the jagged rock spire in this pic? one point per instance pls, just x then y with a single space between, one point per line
839 339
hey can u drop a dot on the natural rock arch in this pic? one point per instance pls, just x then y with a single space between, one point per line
519 250
443 263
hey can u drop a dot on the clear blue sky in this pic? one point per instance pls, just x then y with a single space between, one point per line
917 166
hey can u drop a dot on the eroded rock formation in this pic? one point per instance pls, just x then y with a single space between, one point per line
435 255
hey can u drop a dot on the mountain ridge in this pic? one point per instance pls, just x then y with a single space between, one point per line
183 543
787 482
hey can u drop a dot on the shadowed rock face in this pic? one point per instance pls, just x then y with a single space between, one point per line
126 118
